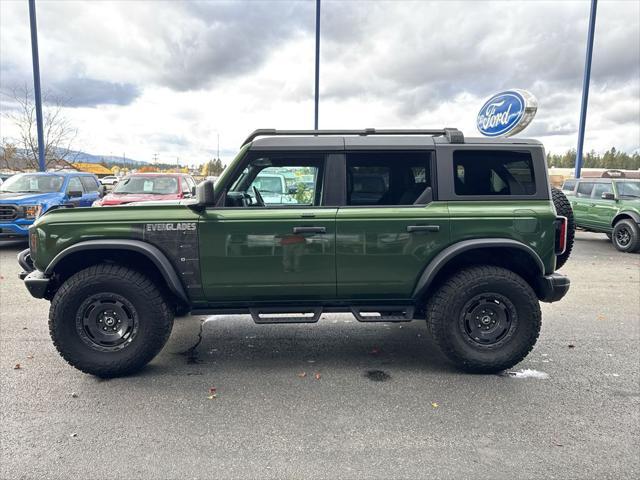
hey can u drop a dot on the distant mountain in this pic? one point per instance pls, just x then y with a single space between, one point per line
107 159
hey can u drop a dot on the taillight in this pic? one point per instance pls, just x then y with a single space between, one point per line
561 234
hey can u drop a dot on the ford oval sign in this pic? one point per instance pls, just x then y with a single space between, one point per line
507 113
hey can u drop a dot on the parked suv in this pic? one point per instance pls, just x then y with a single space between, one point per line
397 226
145 187
25 196
610 206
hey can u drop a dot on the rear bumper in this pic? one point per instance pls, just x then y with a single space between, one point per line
552 288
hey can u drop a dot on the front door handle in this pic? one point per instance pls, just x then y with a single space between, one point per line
309 230
423 228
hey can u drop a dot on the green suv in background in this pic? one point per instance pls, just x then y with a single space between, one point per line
393 225
610 206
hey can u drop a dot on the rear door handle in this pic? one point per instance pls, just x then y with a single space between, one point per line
309 230
423 228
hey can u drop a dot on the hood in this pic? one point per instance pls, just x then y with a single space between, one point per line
119 199
28 198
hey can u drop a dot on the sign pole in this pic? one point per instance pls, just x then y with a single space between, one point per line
317 96
585 87
36 84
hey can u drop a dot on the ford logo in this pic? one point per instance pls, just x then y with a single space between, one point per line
507 113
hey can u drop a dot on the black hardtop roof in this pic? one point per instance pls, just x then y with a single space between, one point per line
271 139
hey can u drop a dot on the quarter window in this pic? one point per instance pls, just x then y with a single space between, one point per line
387 178
486 172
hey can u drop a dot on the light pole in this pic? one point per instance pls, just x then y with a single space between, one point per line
36 83
585 86
317 95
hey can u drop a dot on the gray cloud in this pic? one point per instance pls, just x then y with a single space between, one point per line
88 92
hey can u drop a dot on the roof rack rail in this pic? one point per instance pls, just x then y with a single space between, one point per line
453 134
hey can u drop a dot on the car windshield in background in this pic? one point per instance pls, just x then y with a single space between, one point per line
628 189
268 184
32 184
147 185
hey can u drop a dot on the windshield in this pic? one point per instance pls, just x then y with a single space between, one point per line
628 189
25 183
268 184
147 185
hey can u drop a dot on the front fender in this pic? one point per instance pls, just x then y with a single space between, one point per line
152 252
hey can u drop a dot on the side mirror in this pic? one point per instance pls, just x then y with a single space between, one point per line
608 196
103 191
74 193
204 195
293 190
193 190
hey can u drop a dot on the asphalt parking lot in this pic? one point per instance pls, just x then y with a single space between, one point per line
336 399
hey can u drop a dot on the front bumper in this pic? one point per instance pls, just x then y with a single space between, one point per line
37 283
552 288
8 230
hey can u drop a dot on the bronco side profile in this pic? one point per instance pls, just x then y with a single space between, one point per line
394 225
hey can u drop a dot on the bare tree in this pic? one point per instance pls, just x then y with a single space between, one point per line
59 134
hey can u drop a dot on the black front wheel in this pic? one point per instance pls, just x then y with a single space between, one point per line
626 236
485 319
109 321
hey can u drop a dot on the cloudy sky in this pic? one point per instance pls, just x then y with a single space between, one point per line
167 77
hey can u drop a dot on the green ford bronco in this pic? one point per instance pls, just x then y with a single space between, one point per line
393 225
610 206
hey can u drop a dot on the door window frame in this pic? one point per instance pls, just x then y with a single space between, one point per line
326 196
430 164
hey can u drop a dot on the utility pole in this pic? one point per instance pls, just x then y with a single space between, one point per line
317 95
155 159
36 83
218 133
585 87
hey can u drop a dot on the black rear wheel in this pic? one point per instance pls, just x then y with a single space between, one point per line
485 319
563 208
108 320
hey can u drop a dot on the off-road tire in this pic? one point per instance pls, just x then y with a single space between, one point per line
144 302
626 228
446 311
563 208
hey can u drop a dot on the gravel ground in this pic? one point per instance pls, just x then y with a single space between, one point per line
336 399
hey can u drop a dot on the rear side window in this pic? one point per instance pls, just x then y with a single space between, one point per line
569 185
584 189
387 178
487 172
89 183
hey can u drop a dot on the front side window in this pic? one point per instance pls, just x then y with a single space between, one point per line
601 188
273 181
74 185
26 183
153 185
387 178
628 189
486 172
584 189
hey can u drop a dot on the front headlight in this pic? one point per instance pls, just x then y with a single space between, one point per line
31 211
